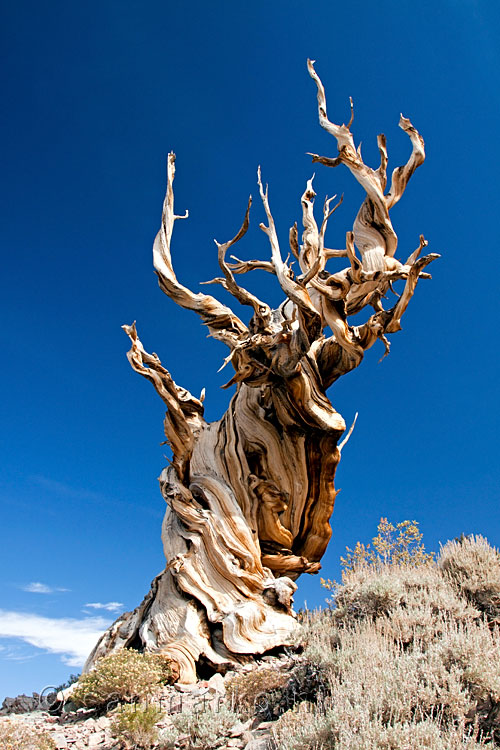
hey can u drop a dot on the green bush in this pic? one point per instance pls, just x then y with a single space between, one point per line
124 675
136 725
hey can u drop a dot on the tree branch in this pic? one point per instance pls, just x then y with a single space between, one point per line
184 415
261 309
373 231
401 175
294 291
223 324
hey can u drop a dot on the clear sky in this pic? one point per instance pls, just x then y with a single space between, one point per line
95 94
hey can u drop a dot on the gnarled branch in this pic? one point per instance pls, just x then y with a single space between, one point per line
221 321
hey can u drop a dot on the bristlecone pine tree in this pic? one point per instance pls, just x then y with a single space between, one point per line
249 498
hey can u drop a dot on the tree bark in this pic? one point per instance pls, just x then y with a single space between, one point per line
249 498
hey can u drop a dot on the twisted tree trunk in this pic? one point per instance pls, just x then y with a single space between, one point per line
249 498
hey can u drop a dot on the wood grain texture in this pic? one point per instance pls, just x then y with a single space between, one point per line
249 498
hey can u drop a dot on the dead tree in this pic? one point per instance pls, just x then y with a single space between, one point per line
249 498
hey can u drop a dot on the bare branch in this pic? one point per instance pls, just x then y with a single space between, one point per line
327 213
352 114
222 322
294 291
293 238
335 253
342 132
401 175
394 323
243 266
415 254
356 266
310 260
184 412
373 231
344 442
312 256
261 309
382 170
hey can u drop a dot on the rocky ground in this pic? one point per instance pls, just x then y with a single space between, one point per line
83 729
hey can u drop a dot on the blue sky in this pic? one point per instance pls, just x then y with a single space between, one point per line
95 95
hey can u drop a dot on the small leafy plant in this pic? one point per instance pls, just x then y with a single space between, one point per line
136 725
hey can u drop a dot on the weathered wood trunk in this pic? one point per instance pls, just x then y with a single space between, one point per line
249 498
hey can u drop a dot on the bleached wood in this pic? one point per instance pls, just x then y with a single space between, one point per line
249 498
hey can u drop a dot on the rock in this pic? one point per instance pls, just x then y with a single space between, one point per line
258 744
60 741
216 683
188 687
21 704
264 725
103 723
240 728
95 739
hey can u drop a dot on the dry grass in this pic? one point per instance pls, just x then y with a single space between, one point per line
16 735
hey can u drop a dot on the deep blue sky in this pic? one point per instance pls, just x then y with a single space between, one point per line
95 94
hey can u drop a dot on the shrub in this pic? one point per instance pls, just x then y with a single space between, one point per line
475 652
124 675
473 567
307 683
302 728
367 593
383 696
315 731
410 602
393 545
16 735
411 662
205 729
136 724
167 738
249 691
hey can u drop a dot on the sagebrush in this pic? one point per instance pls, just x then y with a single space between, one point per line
125 675
411 646
204 730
